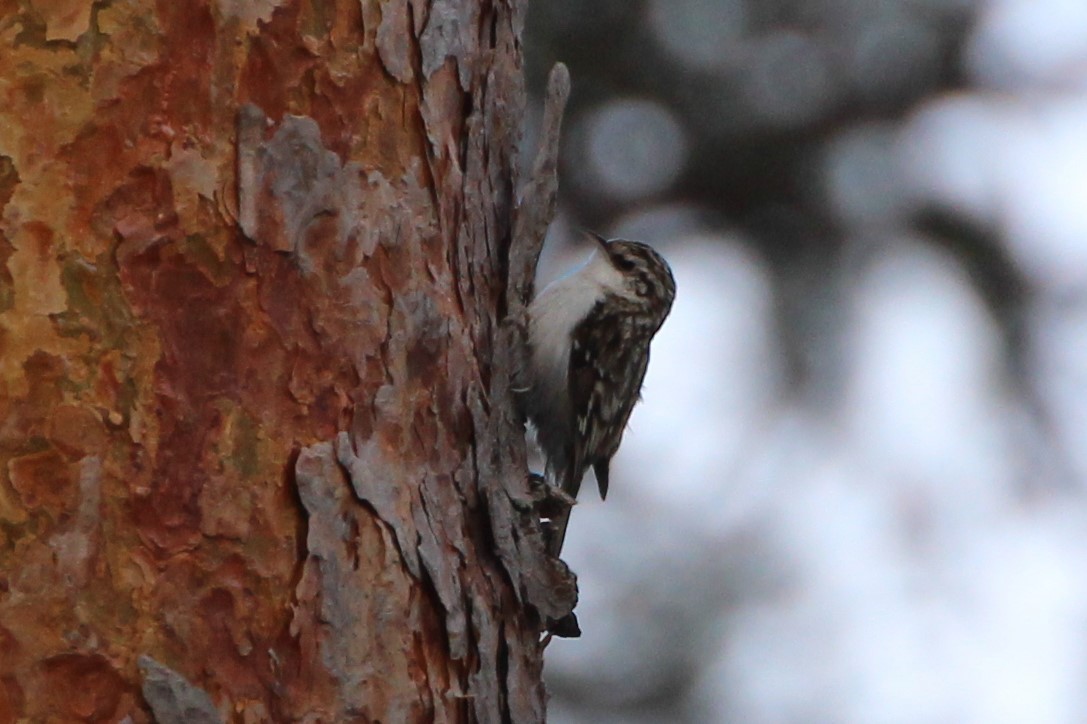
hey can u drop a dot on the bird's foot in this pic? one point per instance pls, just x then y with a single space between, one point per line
550 501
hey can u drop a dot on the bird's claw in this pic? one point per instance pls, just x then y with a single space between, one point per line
551 501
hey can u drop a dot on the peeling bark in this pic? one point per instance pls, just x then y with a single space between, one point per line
260 294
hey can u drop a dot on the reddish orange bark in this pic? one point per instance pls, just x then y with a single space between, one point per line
258 460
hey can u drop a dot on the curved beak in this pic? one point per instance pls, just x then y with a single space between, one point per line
600 240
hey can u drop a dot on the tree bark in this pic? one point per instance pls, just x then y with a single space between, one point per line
259 458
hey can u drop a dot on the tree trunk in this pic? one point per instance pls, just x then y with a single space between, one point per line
259 455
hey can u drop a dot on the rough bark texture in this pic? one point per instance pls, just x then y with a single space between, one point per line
258 453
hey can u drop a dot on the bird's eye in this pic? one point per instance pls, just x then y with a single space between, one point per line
624 263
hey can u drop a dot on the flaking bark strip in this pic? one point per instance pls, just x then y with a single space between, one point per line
436 556
522 664
482 681
450 33
538 198
291 180
173 700
372 477
532 215
394 40
344 600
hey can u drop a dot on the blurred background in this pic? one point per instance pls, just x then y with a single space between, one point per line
855 489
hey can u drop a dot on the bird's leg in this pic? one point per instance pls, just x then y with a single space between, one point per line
551 500
553 504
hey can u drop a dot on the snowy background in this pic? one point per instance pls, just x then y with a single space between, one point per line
855 489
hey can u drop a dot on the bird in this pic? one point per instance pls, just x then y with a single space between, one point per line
589 334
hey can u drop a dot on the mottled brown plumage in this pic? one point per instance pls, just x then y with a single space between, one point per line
589 336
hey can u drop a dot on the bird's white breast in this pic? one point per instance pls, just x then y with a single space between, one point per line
559 308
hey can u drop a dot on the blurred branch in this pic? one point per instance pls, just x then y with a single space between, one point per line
995 275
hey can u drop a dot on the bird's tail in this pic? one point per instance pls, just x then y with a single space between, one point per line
557 531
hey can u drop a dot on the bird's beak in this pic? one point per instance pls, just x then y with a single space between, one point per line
598 239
